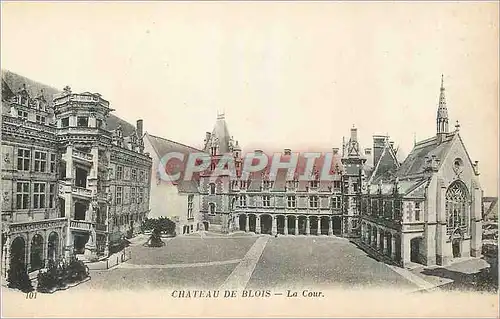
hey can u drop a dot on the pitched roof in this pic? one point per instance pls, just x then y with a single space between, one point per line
163 146
16 82
416 161
221 133
386 165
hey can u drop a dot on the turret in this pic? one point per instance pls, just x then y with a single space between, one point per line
442 115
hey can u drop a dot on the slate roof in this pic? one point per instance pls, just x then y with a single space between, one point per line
163 146
220 132
15 83
415 163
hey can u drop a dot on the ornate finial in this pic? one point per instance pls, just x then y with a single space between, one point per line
414 138
67 89
457 126
442 81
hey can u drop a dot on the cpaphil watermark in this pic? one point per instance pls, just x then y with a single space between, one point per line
307 166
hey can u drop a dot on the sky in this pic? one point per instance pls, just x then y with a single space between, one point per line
286 74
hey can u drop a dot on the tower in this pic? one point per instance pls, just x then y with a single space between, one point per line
442 114
352 179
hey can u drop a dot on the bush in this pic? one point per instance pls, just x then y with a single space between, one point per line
77 271
48 280
162 224
18 277
155 239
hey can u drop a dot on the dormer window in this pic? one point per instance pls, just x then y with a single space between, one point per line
212 189
267 184
65 122
40 119
314 184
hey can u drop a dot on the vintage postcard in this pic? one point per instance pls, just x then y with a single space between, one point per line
249 159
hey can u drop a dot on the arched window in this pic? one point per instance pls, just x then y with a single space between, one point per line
212 188
211 208
457 207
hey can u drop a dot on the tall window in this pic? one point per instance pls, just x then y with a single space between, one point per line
39 195
134 174
23 159
119 172
266 200
119 195
65 122
211 208
52 195
52 163
417 211
140 198
243 200
291 201
457 207
82 121
212 188
141 176
190 206
22 195
337 184
355 187
313 201
314 184
132 195
336 202
40 161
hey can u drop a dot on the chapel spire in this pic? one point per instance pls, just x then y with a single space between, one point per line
442 113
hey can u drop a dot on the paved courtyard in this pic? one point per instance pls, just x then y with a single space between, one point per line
248 262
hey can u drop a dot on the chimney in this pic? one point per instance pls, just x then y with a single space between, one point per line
354 134
378 147
139 128
335 150
391 144
368 151
287 151
207 137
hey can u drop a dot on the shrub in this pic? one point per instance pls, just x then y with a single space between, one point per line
155 239
18 277
77 271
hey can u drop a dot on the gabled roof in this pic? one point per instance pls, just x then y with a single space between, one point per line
221 133
162 146
16 82
415 163
386 166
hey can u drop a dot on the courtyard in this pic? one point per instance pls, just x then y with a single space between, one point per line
244 261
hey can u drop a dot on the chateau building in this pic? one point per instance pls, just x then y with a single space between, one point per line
427 209
75 178
177 200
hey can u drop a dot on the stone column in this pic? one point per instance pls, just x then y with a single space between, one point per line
296 225
247 223
68 157
274 225
385 241
6 255
476 223
308 226
378 240
393 247
319 226
257 224
68 203
443 253
330 226
405 250
286 226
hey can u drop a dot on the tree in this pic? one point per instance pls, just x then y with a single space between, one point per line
18 277
161 225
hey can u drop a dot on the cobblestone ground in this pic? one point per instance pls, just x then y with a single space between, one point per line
212 262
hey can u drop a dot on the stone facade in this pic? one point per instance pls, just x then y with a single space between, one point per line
61 190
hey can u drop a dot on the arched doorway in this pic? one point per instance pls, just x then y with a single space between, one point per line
252 222
280 224
337 225
398 247
243 221
36 256
302 225
291 225
53 246
266 224
415 246
369 234
389 243
205 224
17 253
382 240
325 223
313 225
456 243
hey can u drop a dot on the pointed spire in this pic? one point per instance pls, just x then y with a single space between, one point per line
442 113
